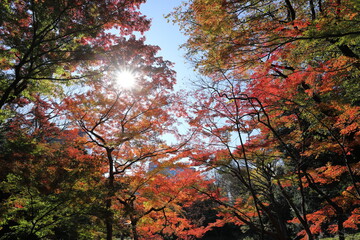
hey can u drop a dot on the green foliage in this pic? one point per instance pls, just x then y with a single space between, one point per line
348 237
31 214
44 191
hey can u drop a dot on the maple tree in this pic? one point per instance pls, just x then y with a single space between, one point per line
274 146
44 43
124 129
157 212
280 111
77 148
44 173
122 123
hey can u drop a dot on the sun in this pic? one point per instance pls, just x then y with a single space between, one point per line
125 79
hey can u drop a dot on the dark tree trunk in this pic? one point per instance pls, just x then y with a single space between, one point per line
109 217
109 221
341 220
320 6
312 8
133 229
292 13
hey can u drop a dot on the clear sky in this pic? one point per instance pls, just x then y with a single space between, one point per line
167 36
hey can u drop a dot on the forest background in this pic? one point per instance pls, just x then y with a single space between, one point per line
272 145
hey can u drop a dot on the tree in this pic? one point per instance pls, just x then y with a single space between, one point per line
158 209
124 129
49 47
46 177
44 43
284 74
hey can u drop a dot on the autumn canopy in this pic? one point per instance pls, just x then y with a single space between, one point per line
271 148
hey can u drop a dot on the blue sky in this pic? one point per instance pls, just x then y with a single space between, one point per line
167 36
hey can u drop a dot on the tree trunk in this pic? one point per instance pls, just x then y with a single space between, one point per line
341 220
297 213
292 13
134 230
109 221
109 217
320 6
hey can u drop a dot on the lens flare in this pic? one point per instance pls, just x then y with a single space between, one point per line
125 79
